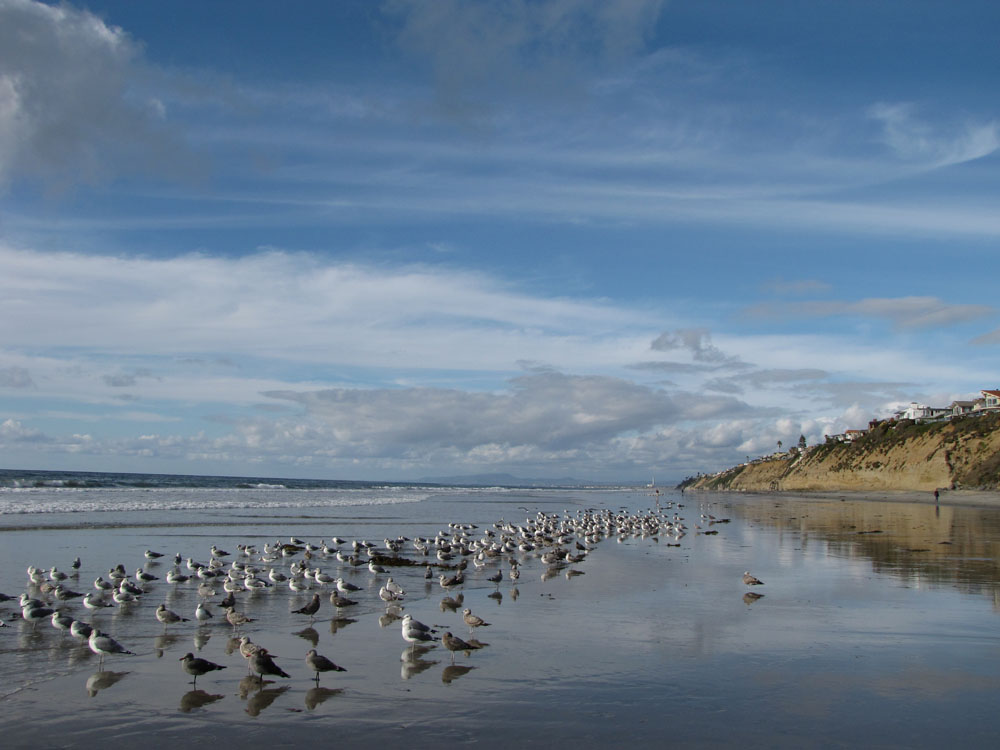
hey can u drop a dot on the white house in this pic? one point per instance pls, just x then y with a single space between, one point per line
992 399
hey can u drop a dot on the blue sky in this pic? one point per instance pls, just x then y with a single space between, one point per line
390 240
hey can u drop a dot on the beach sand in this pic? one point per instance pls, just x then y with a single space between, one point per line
642 642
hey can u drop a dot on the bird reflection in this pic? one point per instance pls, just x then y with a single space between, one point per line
390 617
514 593
101 680
453 672
200 639
413 662
162 642
309 634
317 695
751 596
264 698
195 699
251 683
452 604
233 644
339 622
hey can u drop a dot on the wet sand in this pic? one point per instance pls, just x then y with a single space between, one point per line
877 627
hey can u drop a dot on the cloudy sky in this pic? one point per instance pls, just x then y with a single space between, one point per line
400 239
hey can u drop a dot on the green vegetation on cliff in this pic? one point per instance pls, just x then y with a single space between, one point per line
904 455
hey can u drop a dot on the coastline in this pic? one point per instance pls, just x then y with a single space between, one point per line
965 498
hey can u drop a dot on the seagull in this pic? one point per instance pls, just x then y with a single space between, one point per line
150 555
310 609
62 593
319 663
749 580
340 601
80 630
473 621
93 600
394 587
203 613
141 575
236 619
216 552
196 666
262 663
413 636
388 596
453 644
346 587
168 617
62 621
102 644
410 624
36 614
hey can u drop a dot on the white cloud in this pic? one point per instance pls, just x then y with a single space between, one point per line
914 140
71 103
278 305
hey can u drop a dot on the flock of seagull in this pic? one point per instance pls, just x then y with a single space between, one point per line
556 541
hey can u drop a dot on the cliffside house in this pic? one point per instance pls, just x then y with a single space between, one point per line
851 435
959 408
991 399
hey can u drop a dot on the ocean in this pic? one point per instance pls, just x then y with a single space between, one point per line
875 625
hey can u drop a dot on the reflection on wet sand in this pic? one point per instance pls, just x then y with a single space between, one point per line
317 695
195 699
309 634
453 672
340 622
263 698
163 642
413 661
951 545
102 680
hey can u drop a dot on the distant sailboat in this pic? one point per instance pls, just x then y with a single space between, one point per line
652 484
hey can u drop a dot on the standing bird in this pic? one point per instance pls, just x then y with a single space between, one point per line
261 662
319 663
388 596
473 621
310 609
236 619
102 644
196 666
167 616
202 613
454 643
749 580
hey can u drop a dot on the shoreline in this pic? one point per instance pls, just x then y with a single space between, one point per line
965 498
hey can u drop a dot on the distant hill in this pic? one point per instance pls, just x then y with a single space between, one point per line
905 455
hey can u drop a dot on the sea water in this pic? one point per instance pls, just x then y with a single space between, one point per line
877 624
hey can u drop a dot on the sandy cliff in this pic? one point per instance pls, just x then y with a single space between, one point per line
963 453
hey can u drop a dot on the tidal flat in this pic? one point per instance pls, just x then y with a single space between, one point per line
876 626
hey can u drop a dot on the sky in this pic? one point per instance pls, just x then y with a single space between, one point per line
609 240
